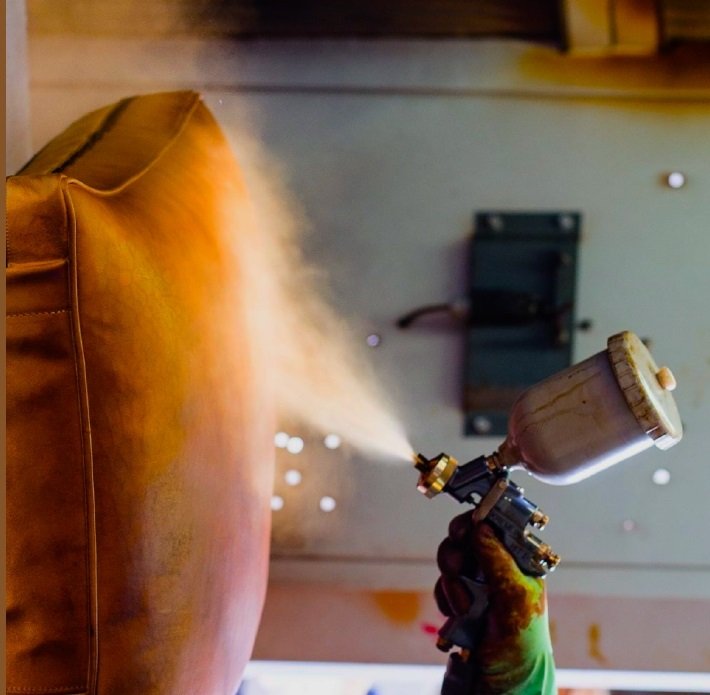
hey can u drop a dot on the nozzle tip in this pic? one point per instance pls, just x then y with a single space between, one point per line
421 463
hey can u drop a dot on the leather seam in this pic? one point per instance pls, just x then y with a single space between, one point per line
68 689
7 235
15 315
86 447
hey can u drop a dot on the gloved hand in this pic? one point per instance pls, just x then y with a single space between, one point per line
514 654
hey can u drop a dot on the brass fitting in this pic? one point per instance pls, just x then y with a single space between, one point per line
443 644
539 520
549 558
435 473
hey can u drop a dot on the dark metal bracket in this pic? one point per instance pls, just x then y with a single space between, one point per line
520 309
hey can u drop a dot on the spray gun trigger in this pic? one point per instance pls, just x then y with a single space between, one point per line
421 463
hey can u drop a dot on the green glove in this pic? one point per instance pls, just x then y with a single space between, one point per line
514 655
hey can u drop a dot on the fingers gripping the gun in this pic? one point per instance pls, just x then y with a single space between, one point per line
455 560
514 654
471 549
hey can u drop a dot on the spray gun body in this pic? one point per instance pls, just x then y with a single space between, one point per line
487 485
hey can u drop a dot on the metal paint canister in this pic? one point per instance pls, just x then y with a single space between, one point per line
593 415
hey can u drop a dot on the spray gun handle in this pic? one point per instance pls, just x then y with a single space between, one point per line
465 631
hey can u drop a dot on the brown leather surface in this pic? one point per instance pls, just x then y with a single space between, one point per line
139 424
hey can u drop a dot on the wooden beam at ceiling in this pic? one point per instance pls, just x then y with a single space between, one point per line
685 20
541 21
536 21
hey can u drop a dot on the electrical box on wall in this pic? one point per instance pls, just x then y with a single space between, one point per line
521 314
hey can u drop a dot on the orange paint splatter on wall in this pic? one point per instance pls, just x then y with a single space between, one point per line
594 634
399 607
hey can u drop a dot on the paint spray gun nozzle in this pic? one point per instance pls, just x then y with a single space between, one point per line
435 473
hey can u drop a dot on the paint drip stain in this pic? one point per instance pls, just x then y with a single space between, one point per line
594 634
400 607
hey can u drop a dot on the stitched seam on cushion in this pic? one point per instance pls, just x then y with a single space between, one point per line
92 636
68 689
7 234
35 313
95 137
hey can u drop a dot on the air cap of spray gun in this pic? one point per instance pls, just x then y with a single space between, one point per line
435 473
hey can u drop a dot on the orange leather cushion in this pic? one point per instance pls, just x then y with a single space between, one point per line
140 431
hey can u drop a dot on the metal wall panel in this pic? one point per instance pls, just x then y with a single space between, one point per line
391 149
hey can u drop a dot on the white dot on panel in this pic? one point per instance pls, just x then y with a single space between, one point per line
661 476
629 525
281 440
295 445
373 340
327 504
277 503
676 179
293 477
332 441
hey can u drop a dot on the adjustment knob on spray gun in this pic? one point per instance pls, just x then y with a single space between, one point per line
564 429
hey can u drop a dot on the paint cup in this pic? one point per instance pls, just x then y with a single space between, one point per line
593 415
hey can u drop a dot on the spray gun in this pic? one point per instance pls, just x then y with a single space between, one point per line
564 429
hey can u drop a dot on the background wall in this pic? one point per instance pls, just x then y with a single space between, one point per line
17 127
391 147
